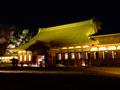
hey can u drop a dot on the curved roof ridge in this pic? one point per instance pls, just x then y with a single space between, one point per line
66 26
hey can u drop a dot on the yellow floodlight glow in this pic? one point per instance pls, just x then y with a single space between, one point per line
2 58
29 57
85 46
19 51
73 55
16 57
78 47
111 48
59 56
83 63
70 47
94 49
118 47
25 58
8 57
11 57
64 48
5 57
66 56
24 51
25 65
20 57
102 48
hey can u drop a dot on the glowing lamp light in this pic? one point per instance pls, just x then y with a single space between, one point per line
39 58
66 55
24 51
83 63
43 57
11 57
102 48
111 48
73 55
78 47
85 46
3 57
118 47
8 57
29 57
20 57
34 65
59 56
70 47
25 65
79 55
16 57
64 48
94 49
24 57
19 52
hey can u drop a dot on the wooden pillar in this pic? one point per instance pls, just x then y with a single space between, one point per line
84 55
76 58
91 55
110 55
118 54
63 58
101 55
51 58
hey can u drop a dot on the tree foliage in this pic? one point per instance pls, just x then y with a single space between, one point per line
19 38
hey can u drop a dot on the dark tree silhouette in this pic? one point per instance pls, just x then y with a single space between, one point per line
5 33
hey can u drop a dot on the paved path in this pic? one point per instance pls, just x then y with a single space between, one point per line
107 71
57 70
89 78
39 72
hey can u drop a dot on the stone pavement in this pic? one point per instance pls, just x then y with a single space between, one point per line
106 71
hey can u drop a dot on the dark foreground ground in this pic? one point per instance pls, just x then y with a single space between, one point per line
81 80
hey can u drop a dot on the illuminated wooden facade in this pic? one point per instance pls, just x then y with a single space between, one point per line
108 54
25 57
74 45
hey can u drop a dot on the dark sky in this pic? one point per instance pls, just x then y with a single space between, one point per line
34 17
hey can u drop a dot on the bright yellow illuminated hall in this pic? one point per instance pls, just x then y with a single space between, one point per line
74 44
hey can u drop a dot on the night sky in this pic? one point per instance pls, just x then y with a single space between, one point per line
34 17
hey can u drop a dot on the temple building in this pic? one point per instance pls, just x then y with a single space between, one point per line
72 44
